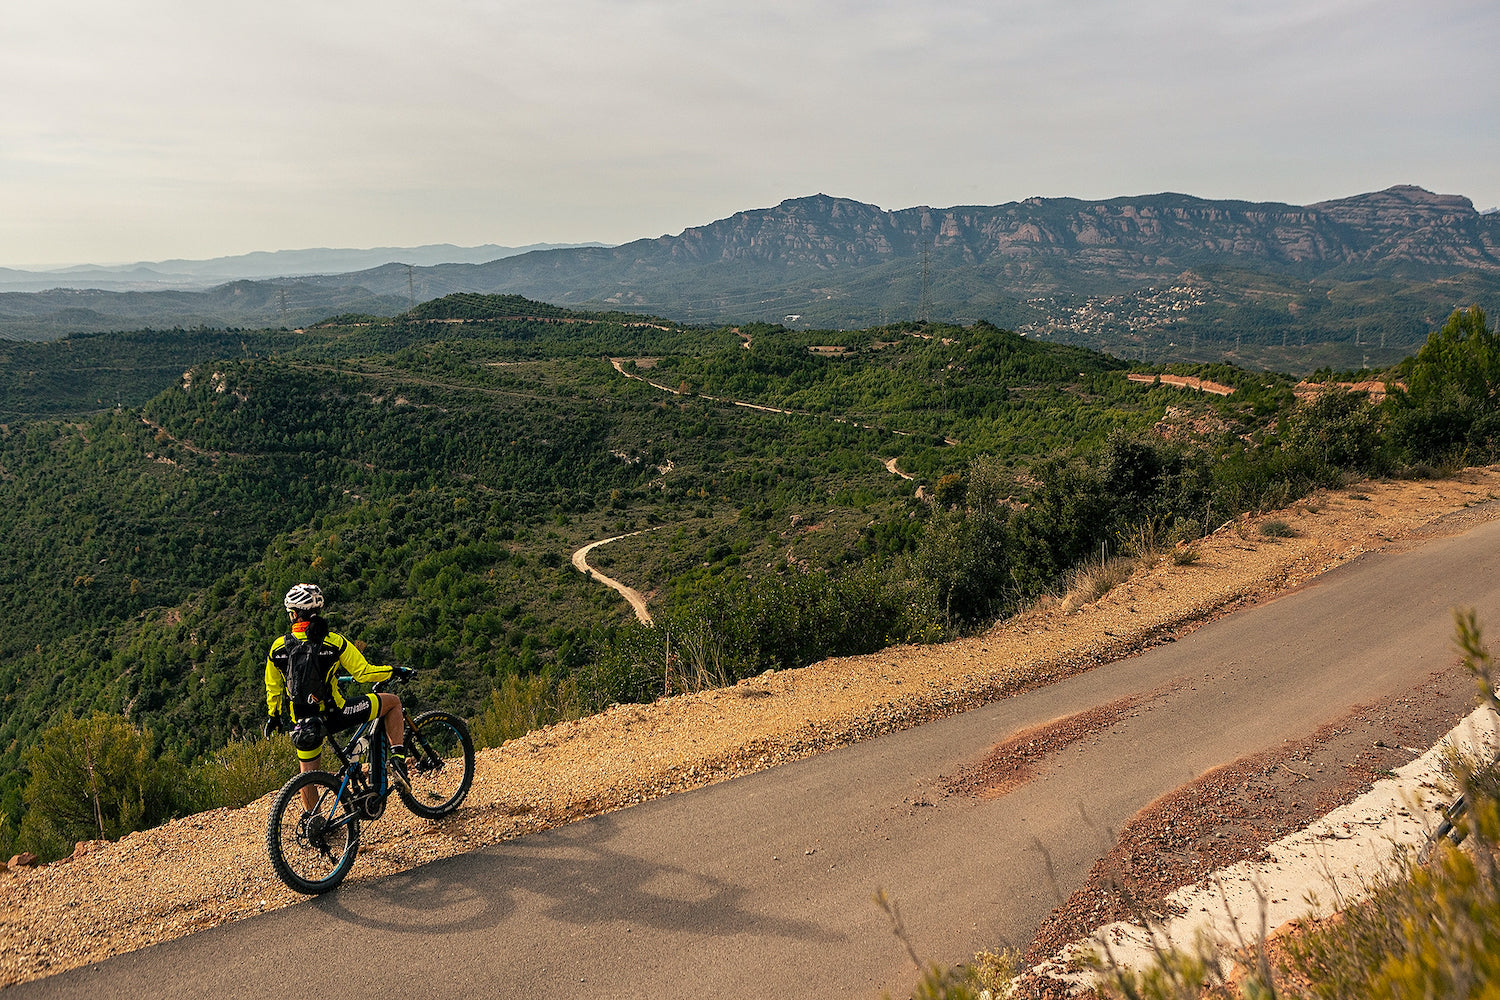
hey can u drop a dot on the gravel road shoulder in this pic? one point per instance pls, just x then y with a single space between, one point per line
208 869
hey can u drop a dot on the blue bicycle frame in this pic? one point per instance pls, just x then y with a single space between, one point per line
361 773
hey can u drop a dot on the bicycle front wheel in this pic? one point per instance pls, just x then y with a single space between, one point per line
439 764
312 850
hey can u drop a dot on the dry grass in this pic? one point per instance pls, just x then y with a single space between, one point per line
1097 577
1185 555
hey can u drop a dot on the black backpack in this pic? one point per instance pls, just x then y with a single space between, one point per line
308 660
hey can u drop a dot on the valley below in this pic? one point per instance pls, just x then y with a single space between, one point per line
209 869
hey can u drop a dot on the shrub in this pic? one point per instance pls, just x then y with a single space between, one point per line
245 770
776 623
737 629
1451 406
97 779
1248 480
1092 580
1148 538
994 554
1277 528
623 665
1340 429
1185 555
965 555
521 704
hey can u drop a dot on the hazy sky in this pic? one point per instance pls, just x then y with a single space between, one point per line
150 129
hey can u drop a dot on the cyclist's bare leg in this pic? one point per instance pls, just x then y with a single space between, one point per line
309 793
390 712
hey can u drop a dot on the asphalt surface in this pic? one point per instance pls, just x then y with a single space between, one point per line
762 886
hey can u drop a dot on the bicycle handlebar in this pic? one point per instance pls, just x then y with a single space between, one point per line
396 675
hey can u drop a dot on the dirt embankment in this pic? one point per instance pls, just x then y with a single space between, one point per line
205 870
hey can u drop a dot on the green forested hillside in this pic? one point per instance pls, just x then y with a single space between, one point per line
434 474
89 373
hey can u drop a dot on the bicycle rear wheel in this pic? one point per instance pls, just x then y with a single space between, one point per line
312 850
439 764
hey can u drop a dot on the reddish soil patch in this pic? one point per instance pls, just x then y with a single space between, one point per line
1185 382
1009 765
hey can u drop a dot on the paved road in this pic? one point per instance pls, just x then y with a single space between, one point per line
761 887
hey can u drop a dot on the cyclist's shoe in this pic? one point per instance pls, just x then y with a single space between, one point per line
398 768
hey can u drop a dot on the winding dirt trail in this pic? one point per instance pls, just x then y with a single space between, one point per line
890 466
635 597
619 366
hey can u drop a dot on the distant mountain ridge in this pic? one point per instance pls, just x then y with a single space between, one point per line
1401 225
1156 276
180 274
1037 246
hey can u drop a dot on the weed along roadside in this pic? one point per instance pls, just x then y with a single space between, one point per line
209 868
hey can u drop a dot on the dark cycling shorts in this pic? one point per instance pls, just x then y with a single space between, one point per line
356 710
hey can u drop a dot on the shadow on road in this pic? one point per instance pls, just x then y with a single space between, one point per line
431 899
573 875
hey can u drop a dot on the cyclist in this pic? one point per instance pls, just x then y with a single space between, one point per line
325 710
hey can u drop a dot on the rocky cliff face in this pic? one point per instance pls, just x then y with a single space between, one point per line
1152 276
1409 225
819 231
1388 228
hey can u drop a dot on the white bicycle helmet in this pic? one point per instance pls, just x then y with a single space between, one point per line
303 597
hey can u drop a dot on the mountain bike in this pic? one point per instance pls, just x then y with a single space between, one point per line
1448 826
313 849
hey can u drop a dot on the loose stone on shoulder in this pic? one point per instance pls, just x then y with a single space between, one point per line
84 847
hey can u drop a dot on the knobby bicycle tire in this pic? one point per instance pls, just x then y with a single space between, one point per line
439 764
312 851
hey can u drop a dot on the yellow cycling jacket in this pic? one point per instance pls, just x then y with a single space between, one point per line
349 660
